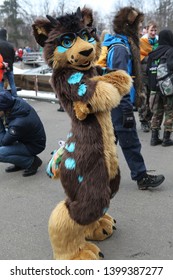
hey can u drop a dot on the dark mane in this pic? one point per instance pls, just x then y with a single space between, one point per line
70 22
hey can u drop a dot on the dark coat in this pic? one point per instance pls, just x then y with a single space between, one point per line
165 46
24 125
6 50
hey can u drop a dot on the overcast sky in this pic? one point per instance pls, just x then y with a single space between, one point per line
98 5
101 6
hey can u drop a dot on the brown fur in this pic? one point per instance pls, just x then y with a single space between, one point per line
89 170
126 22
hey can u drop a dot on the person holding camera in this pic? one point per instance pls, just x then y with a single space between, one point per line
22 135
8 54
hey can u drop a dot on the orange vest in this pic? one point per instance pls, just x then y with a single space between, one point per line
145 47
1 68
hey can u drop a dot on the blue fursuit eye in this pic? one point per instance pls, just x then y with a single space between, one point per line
86 36
67 41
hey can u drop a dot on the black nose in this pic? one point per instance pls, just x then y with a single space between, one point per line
86 53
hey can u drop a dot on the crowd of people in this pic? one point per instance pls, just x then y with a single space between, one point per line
132 47
20 52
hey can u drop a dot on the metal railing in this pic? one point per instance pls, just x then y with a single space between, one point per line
33 58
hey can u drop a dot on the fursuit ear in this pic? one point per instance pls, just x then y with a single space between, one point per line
87 16
132 16
52 20
78 13
41 29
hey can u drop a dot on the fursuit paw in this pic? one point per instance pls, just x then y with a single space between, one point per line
122 81
102 229
89 252
119 79
81 110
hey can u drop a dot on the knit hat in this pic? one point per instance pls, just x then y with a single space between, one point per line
6 100
3 33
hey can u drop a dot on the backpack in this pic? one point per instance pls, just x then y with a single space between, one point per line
103 59
152 75
107 53
165 76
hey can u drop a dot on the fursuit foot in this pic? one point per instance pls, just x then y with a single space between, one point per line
89 252
101 229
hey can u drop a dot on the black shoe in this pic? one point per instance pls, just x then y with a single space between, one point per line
145 127
13 168
150 181
60 109
166 139
33 168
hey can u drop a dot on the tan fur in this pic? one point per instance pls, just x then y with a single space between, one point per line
68 238
81 110
108 90
119 79
110 150
106 95
41 30
132 16
94 231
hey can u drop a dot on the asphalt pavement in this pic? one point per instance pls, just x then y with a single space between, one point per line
144 218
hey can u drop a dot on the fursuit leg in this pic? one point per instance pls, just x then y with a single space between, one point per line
68 238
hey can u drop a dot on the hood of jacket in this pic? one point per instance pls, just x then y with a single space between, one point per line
20 109
115 39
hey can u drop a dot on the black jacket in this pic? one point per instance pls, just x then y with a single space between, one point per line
24 125
165 46
6 50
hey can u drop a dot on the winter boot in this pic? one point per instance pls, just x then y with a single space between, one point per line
166 139
155 140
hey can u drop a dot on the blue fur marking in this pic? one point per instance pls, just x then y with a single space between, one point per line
82 89
75 78
70 134
104 70
80 179
70 147
70 163
105 210
92 41
61 49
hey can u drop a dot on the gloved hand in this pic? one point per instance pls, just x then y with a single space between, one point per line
128 119
2 128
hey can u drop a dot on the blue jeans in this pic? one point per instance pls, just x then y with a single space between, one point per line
16 154
10 77
130 145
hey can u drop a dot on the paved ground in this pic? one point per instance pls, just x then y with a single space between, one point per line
144 218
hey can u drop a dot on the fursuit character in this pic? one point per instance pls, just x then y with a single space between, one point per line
89 170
